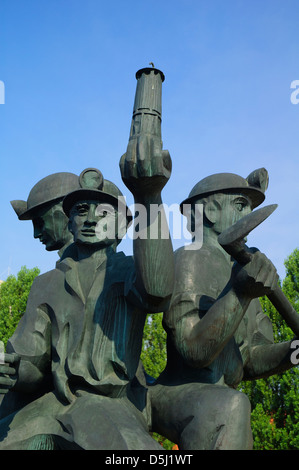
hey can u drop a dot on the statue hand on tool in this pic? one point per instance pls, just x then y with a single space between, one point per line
257 278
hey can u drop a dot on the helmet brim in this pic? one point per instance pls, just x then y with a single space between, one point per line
32 212
256 195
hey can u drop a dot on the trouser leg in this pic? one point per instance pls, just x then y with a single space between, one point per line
202 416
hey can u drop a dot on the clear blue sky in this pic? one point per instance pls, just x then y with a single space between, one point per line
69 72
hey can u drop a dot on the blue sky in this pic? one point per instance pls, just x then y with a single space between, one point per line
69 72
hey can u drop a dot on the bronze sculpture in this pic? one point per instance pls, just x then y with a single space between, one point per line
84 320
74 358
50 225
217 334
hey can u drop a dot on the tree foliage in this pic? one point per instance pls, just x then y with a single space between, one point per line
13 299
153 355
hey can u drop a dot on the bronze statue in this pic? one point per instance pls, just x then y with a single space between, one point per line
44 208
217 334
84 320
74 357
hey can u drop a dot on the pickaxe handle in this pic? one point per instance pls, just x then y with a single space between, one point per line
285 308
240 252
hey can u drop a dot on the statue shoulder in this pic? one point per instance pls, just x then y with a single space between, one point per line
206 257
205 271
45 278
44 286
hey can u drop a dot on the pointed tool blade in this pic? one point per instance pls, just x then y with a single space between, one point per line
244 226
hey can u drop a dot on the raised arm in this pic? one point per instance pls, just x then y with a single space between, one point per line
145 169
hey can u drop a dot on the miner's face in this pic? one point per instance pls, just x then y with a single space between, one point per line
232 207
50 225
93 223
222 210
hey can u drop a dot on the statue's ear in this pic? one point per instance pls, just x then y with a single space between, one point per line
59 217
19 206
259 178
211 211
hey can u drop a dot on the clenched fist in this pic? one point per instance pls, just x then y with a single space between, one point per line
257 278
145 167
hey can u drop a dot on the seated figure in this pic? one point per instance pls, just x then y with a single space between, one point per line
83 327
217 333
50 223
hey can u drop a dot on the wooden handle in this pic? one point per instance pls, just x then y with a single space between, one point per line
285 308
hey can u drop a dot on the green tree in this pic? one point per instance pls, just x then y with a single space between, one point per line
291 281
13 299
153 355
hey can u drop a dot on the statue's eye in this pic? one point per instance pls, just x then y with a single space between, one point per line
103 210
240 205
82 209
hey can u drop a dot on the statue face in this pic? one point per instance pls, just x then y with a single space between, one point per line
232 208
222 210
93 223
51 226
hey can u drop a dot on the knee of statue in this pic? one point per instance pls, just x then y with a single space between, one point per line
240 405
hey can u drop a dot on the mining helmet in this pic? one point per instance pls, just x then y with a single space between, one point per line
254 186
92 185
47 190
